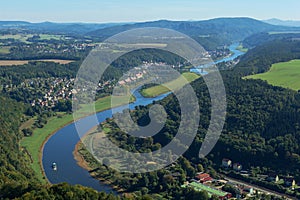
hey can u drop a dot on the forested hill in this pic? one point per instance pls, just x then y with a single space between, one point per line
13 168
261 38
17 180
210 33
260 58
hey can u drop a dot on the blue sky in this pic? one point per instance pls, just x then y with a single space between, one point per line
145 10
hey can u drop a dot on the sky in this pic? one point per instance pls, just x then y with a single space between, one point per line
102 11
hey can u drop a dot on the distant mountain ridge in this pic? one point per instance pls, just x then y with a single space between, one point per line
52 27
280 22
220 30
217 32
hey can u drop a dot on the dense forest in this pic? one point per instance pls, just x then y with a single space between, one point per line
264 37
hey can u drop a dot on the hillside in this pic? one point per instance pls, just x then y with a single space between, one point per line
280 22
261 38
260 58
51 27
210 33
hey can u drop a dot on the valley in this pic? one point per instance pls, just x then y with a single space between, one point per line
256 157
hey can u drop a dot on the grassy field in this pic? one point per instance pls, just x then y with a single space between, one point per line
4 50
20 37
34 143
173 85
25 37
50 37
23 62
284 74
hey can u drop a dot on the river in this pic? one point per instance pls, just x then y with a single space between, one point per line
235 53
60 146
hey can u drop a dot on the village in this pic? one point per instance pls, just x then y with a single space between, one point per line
226 187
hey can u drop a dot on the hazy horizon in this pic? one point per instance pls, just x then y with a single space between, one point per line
127 22
117 11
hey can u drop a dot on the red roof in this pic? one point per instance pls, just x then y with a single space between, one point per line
202 176
206 179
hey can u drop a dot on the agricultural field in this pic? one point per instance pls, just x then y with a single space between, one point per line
51 37
24 37
20 37
23 62
172 85
4 50
284 74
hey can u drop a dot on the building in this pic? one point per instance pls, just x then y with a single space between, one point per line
290 182
237 166
211 191
273 177
203 178
226 163
248 190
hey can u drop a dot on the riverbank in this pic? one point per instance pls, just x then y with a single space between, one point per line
55 123
81 161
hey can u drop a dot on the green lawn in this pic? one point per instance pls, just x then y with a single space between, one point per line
33 144
284 74
4 50
173 85
49 37
211 191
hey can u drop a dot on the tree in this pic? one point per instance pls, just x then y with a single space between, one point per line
200 168
27 132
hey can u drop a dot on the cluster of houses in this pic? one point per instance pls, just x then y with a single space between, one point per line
219 53
132 78
45 48
58 89
139 73
204 182
287 181
226 163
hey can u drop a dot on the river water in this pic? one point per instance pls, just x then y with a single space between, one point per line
59 148
235 53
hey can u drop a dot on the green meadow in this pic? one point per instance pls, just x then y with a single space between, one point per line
25 37
172 85
4 50
285 74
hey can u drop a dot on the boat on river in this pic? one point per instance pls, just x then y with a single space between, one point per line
54 166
